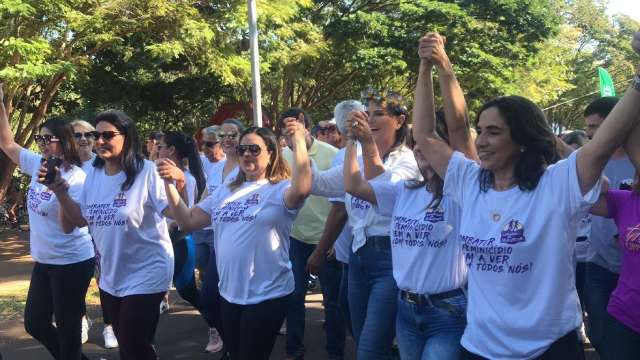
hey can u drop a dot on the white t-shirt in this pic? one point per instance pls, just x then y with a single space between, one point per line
129 231
88 165
582 239
519 246
214 174
251 227
363 219
49 244
342 246
427 258
206 164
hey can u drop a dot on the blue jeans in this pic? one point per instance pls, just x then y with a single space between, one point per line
372 300
427 332
599 285
329 277
203 240
343 297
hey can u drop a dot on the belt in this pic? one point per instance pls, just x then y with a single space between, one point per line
383 242
434 299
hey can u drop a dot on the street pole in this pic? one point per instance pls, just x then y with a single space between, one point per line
255 63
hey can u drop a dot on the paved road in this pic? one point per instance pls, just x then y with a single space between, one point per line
181 333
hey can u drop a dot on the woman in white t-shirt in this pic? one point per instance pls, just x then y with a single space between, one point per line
252 218
519 220
428 263
178 147
219 173
64 261
83 132
372 290
124 204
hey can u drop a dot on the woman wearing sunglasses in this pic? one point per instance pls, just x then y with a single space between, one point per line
64 261
252 218
372 290
520 214
218 173
84 134
124 204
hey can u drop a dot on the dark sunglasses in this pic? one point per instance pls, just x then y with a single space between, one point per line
231 135
45 139
253 149
106 135
210 144
324 130
86 135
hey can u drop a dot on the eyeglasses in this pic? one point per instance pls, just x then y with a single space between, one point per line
86 135
45 139
231 135
210 144
106 135
324 130
253 149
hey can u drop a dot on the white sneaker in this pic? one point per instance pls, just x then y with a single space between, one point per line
215 342
164 306
110 340
84 332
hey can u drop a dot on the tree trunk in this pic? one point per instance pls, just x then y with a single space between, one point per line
7 167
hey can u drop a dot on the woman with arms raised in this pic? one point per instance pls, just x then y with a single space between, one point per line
519 220
64 261
251 218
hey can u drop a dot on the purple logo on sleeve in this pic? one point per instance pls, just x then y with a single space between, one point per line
512 233
120 200
434 215
632 242
253 200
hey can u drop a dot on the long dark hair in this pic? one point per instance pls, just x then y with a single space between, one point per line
393 102
436 186
64 131
186 148
131 160
530 130
277 170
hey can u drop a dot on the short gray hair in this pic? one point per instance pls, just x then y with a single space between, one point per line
84 124
342 110
213 129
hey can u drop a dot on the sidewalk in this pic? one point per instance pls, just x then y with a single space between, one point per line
181 334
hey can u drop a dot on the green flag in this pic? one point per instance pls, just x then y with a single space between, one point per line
606 83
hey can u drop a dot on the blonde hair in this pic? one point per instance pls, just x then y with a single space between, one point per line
277 170
84 124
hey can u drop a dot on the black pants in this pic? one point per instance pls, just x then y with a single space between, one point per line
567 347
58 290
250 331
134 320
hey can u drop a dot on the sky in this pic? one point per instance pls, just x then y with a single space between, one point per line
627 7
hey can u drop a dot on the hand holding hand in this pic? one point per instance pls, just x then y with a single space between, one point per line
169 171
431 49
294 129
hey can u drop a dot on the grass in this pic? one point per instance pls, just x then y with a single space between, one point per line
13 297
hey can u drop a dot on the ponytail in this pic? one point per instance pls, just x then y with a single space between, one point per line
186 148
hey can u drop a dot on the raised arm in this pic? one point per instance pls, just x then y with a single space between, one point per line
632 145
188 219
354 184
7 143
424 119
613 133
300 168
455 106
